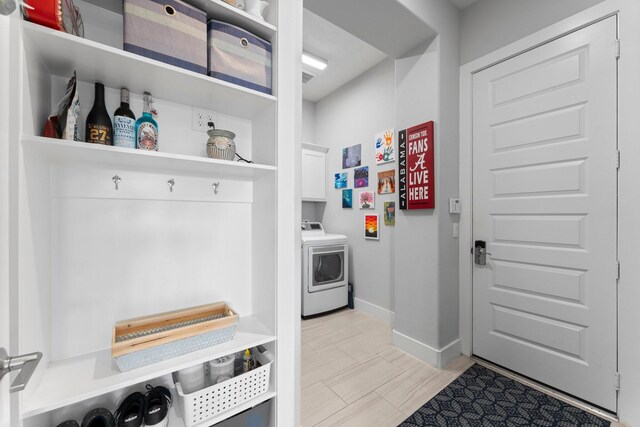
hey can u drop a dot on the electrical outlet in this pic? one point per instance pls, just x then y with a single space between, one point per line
200 119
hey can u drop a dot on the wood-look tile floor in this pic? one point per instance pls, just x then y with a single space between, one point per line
353 376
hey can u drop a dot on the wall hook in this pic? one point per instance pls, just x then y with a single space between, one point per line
171 183
116 180
215 186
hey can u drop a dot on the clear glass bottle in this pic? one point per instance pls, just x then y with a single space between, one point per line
147 127
99 129
124 123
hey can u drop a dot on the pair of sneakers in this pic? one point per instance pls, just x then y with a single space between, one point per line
152 408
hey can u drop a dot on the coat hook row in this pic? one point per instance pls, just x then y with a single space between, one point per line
171 183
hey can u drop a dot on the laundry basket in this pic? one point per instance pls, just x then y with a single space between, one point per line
202 405
145 340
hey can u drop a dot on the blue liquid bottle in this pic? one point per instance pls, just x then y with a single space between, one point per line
147 127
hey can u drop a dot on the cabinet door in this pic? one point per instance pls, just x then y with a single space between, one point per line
313 176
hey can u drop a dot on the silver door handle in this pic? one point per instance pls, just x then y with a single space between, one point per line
26 364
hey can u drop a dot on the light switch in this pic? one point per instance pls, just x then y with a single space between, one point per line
454 206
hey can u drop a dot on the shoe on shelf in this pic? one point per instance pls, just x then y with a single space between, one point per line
69 423
99 417
130 413
157 403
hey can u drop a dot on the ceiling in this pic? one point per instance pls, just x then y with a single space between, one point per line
347 54
463 3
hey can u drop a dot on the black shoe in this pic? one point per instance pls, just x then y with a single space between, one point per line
130 413
99 417
158 401
69 423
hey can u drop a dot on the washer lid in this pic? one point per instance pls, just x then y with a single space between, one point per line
325 239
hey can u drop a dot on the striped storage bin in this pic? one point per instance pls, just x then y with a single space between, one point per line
237 56
170 31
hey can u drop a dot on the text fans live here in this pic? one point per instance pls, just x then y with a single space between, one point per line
415 168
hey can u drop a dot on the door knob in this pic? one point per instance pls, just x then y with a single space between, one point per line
480 252
26 364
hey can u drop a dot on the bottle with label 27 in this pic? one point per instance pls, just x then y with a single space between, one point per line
98 126
147 127
124 123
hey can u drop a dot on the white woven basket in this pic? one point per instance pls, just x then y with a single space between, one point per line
202 405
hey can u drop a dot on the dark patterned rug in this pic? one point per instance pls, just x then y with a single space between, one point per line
482 397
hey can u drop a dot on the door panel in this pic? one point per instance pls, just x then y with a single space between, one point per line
544 199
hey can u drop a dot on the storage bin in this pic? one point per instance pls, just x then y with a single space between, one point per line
202 405
145 340
170 31
237 56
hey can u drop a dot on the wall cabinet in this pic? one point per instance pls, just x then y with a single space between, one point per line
313 167
85 254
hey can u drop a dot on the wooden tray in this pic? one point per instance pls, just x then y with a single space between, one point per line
150 331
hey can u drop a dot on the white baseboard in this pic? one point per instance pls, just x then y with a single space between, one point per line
387 316
438 358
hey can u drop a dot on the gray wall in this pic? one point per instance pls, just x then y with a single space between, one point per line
352 115
308 135
427 84
491 24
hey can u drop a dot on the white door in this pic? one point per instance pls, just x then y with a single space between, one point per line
4 214
544 200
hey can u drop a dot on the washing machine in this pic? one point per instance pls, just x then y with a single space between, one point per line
325 269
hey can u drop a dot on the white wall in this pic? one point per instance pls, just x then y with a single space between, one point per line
426 285
490 24
308 135
309 121
352 115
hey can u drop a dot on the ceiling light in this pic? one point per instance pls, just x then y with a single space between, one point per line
313 61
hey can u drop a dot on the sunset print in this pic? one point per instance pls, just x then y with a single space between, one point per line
371 227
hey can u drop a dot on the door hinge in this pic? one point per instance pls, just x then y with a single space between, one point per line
618 159
617 49
618 270
616 381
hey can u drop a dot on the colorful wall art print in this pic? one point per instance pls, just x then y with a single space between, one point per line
347 198
361 177
351 156
385 147
387 182
389 213
367 200
340 180
371 227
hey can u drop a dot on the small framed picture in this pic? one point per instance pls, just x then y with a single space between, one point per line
367 200
347 198
371 227
340 180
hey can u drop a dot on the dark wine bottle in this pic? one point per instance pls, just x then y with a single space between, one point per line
99 129
124 123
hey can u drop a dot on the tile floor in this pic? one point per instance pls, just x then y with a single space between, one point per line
353 376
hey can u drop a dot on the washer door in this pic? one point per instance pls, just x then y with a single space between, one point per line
326 267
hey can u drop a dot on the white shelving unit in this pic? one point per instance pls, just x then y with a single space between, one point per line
86 254
73 151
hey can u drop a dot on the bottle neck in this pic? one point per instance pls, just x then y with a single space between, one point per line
99 95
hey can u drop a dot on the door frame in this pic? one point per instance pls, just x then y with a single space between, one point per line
628 14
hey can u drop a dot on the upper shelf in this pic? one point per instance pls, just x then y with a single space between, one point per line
216 9
69 381
84 152
62 53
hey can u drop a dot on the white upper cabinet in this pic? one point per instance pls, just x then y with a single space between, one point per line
314 172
